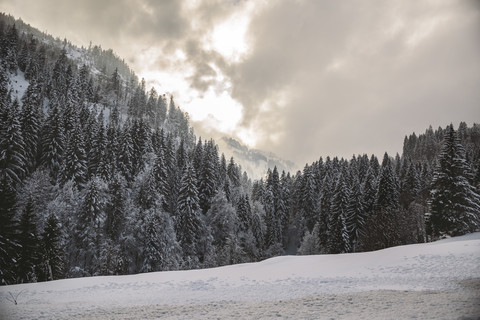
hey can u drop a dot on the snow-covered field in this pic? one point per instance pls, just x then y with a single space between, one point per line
439 280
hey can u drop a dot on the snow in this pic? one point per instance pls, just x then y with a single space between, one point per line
439 280
18 85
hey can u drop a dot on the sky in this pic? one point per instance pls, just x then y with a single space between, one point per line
302 79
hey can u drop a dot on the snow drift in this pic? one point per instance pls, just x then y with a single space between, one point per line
431 280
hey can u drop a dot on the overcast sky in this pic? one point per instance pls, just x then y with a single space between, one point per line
302 79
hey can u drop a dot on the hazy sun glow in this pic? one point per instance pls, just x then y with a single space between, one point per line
221 108
229 38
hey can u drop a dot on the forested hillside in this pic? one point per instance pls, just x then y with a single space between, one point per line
99 176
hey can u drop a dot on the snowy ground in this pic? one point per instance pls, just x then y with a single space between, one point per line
439 280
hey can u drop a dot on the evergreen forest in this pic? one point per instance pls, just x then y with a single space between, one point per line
100 175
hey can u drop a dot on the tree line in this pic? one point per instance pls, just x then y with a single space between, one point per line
99 176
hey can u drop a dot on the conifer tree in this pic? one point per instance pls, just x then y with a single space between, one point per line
12 147
160 176
338 240
8 232
382 225
308 199
53 143
161 111
410 185
207 177
31 120
75 164
355 215
115 208
125 160
188 222
28 257
88 230
455 204
222 219
53 260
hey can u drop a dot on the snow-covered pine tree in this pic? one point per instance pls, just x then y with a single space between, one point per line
410 187
455 203
188 221
53 143
52 253
75 164
28 254
338 239
161 113
310 243
308 199
88 230
382 225
355 215
208 176
31 119
222 219
125 158
12 146
273 210
115 208
8 232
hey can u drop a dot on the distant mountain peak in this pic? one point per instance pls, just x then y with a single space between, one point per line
253 161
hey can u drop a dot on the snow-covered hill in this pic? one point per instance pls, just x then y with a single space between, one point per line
439 280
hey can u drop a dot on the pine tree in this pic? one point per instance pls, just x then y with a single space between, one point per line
161 111
88 231
97 152
311 244
31 120
388 188
8 232
151 105
233 173
53 260
125 160
12 147
11 49
222 219
308 204
273 209
151 247
410 185
244 213
160 176
188 222
53 143
355 215
115 208
382 225
170 252
28 257
173 177
455 204
207 177
338 240
75 164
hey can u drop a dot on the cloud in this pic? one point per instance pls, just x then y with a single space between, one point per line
312 77
357 77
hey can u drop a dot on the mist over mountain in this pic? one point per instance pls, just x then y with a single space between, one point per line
253 161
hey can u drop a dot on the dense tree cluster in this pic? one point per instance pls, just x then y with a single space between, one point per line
99 176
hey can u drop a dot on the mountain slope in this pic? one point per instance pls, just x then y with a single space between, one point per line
347 283
253 161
